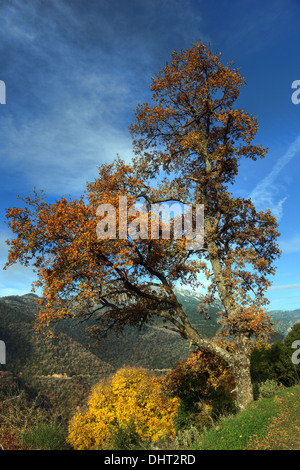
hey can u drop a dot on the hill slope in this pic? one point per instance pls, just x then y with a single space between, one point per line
71 353
59 369
267 424
152 347
32 354
285 319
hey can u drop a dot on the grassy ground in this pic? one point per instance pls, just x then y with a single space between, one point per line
267 424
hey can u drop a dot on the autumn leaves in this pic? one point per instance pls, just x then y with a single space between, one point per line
132 400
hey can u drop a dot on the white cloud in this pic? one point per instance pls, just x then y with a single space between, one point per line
290 246
16 280
76 79
61 149
62 164
265 194
284 287
67 115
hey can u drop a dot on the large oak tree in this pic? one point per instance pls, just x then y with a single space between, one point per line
188 144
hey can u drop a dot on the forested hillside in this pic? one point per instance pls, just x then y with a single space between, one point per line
61 370
73 352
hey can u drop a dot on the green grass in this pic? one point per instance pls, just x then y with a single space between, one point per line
267 424
45 437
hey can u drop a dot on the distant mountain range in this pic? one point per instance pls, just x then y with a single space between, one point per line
63 368
151 347
285 319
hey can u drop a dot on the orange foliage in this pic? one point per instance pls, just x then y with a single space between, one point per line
202 374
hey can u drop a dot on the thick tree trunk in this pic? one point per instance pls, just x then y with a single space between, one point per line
238 361
242 377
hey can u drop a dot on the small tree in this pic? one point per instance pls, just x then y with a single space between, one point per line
202 383
275 362
132 400
196 138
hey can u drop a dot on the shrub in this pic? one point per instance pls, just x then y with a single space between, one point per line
269 388
9 441
204 386
133 397
45 437
274 362
20 413
186 438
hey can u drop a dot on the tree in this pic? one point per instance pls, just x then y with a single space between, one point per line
275 362
188 147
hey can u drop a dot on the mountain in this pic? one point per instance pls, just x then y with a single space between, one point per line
72 353
28 353
65 367
206 323
59 369
285 319
153 346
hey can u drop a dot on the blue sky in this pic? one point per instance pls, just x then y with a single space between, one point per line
75 71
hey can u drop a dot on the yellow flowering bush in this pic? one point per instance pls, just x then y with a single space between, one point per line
132 396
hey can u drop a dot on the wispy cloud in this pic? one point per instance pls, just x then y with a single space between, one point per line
83 73
62 150
67 116
285 287
265 194
290 246
74 74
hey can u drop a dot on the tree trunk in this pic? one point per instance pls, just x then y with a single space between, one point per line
242 377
